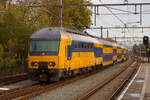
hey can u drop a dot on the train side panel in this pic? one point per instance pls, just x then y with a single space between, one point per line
114 53
65 42
107 56
80 57
98 51
119 54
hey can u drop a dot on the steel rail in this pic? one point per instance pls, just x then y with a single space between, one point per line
28 92
56 85
121 87
100 86
12 79
14 93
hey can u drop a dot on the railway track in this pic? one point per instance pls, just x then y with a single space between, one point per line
124 83
12 79
100 86
28 92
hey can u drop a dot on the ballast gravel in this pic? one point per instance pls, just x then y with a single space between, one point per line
78 88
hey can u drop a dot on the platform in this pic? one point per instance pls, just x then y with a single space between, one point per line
139 86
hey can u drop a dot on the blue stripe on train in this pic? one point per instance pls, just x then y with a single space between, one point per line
97 51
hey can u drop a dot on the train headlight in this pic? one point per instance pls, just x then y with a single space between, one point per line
34 63
52 64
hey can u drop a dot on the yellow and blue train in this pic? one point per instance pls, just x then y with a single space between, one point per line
57 53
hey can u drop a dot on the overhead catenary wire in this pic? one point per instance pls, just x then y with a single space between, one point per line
117 17
120 13
92 5
114 9
113 13
109 9
120 10
146 10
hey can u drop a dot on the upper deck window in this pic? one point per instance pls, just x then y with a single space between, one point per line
107 46
83 46
44 46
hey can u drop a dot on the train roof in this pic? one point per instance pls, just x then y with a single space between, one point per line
54 33
46 34
82 38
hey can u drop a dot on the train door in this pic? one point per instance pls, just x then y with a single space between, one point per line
95 54
69 54
98 52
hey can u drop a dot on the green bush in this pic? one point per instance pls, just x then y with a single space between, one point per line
1 55
9 62
1 51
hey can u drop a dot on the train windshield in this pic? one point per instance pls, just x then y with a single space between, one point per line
46 46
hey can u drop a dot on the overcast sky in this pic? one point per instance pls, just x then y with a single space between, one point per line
111 20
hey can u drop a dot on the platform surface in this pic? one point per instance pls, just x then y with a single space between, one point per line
139 86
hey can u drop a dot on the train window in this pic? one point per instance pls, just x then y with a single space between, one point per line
79 45
82 45
44 46
107 46
98 52
85 45
114 51
76 45
91 46
88 46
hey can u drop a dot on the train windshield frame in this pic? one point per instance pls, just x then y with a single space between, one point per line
44 45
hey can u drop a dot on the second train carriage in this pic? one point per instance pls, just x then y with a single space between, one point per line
56 53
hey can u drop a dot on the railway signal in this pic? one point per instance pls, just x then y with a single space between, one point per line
146 44
145 40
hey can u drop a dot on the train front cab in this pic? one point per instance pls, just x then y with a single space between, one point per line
44 64
44 53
